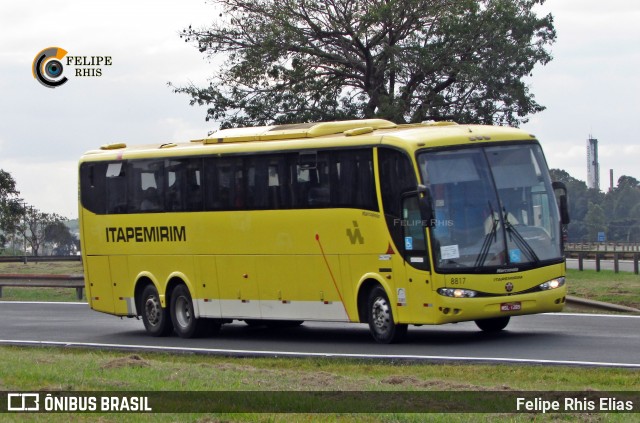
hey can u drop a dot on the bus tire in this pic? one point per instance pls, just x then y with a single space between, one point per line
380 316
156 319
185 323
495 324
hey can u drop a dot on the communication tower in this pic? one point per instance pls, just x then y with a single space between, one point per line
593 167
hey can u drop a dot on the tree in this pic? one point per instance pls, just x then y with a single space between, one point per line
59 236
34 227
580 197
621 208
10 207
595 221
405 60
628 181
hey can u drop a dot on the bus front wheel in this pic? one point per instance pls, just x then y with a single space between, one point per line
381 324
495 324
155 318
184 321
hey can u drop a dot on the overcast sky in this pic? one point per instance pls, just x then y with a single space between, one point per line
591 87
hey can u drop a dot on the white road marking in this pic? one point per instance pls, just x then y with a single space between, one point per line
267 353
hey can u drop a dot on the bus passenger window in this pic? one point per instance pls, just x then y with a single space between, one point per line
145 186
116 188
150 200
183 191
93 186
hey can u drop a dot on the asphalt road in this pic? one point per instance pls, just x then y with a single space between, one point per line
573 339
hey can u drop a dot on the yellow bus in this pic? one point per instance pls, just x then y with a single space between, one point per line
360 221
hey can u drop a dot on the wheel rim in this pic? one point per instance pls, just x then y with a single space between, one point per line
183 311
153 310
381 313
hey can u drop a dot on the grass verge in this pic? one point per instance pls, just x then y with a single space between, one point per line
617 288
45 369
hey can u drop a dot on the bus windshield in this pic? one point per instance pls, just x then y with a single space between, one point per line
494 208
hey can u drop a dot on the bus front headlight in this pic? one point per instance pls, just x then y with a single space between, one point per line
457 292
552 284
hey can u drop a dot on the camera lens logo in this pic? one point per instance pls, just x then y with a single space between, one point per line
47 67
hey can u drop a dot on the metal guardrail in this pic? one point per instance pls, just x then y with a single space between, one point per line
603 246
37 259
44 281
598 256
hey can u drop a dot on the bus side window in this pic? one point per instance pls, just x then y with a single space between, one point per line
193 182
93 187
225 184
278 183
145 188
319 190
353 179
183 181
116 188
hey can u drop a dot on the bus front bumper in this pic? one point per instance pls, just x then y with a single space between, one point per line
453 310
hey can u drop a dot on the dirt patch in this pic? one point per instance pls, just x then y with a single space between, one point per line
435 385
401 380
233 367
133 360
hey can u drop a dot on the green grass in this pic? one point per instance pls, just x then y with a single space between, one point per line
40 294
618 288
45 268
45 369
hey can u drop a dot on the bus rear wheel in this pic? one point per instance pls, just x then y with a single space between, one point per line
495 324
156 319
184 321
381 324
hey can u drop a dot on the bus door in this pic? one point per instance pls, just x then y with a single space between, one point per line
416 294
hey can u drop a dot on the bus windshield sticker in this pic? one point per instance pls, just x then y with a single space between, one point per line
416 259
449 252
113 170
515 256
408 243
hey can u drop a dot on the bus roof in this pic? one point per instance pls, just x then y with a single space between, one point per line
319 135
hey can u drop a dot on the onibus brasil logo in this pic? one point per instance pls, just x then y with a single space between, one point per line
47 67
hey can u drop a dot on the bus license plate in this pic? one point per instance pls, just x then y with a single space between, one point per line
510 306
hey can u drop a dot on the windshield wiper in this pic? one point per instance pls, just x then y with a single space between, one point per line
486 244
519 240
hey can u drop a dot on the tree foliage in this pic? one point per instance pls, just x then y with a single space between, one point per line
616 213
290 61
24 225
10 208
58 235
36 227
